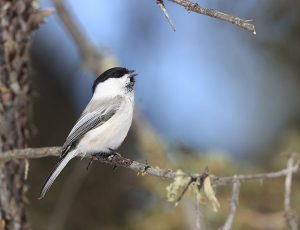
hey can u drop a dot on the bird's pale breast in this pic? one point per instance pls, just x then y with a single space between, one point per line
109 135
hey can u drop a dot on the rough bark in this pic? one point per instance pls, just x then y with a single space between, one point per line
18 18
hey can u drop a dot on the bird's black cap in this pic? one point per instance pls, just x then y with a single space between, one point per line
115 72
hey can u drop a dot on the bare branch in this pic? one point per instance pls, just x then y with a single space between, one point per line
161 5
233 205
195 7
114 160
289 214
259 176
118 160
29 153
199 216
145 168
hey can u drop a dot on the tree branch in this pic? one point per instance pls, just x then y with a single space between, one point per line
289 214
145 168
162 6
120 161
29 153
259 176
233 205
195 7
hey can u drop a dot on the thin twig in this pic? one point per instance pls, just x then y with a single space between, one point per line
259 176
199 216
198 178
142 167
289 214
162 6
233 205
183 191
195 7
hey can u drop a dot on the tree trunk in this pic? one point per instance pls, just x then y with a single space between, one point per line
18 19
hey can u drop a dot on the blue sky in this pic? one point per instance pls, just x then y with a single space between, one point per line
208 85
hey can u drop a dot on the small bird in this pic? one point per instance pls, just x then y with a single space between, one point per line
104 123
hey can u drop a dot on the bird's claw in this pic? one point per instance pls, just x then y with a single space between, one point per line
91 161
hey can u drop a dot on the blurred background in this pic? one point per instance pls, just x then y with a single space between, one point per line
209 94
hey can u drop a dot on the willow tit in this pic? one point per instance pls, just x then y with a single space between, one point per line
104 124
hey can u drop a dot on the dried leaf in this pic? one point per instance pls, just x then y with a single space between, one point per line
210 194
194 187
176 187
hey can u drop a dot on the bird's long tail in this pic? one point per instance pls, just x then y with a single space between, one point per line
56 171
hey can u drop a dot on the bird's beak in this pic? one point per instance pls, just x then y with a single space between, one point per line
132 73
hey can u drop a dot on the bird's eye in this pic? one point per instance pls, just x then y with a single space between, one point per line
131 79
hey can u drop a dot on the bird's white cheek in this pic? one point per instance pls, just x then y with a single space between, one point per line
110 88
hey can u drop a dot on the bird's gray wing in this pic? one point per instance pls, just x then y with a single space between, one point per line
94 115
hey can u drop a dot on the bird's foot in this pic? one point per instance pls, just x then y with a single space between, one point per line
94 157
106 156
112 154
